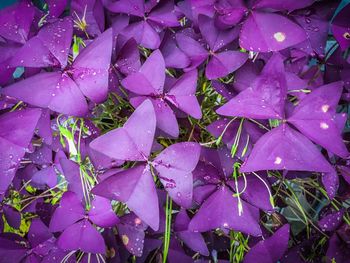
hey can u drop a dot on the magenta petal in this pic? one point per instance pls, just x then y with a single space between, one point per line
56 8
33 54
135 187
341 27
220 210
265 98
271 249
12 216
316 29
38 233
215 38
288 5
166 119
164 14
144 34
154 70
131 231
45 177
224 63
71 172
57 37
44 127
69 211
15 21
93 12
256 192
193 49
174 57
13 247
151 75
92 78
117 144
330 181
141 132
82 236
101 213
182 94
18 127
52 90
130 7
134 141
16 132
176 253
331 221
337 249
175 165
230 12
128 60
314 117
264 32
201 193
193 240
285 148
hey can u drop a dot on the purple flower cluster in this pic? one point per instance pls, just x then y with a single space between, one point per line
175 131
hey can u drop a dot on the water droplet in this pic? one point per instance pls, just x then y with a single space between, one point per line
325 108
279 36
125 239
278 160
324 126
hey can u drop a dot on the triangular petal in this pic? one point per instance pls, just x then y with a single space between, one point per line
221 210
215 37
315 117
92 78
285 5
166 119
264 32
16 131
285 148
135 187
271 249
38 232
82 236
224 63
151 75
52 90
128 60
175 165
193 49
182 94
134 141
71 172
69 211
15 21
101 213
265 98
193 240
131 231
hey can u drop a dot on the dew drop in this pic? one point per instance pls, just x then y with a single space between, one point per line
324 126
125 239
325 108
279 36
278 160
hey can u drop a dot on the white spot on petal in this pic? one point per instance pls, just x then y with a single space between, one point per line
324 126
278 160
279 36
325 108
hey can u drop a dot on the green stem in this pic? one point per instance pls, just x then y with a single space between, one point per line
168 210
